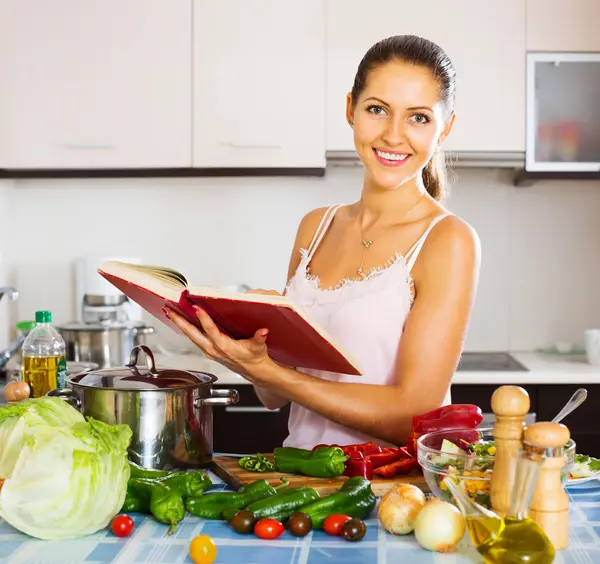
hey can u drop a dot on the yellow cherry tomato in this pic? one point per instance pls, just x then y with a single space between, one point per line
203 550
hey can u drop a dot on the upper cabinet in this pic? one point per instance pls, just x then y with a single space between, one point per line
558 25
95 84
490 95
259 84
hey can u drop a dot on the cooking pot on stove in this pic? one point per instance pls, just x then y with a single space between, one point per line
169 411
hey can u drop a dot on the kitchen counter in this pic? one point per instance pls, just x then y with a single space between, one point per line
543 369
149 543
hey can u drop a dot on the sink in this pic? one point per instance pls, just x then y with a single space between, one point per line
489 362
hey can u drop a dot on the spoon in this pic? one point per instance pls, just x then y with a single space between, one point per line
576 400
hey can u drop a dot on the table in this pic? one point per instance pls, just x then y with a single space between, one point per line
149 543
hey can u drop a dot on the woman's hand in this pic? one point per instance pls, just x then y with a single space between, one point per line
242 356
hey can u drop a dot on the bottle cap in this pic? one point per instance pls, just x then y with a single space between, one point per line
43 316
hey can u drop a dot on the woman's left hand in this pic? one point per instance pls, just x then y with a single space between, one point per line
242 357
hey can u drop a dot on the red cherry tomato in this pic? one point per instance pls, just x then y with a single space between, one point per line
122 525
333 524
268 529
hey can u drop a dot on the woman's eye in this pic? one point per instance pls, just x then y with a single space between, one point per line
420 118
377 110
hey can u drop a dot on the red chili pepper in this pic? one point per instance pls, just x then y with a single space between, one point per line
404 466
388 456
359 465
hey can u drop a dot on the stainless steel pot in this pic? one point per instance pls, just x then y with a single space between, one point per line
106 344
168 411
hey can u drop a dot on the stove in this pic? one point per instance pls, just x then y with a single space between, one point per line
489 362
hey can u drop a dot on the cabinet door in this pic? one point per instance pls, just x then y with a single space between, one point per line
259 84
490 95
557 25
95 84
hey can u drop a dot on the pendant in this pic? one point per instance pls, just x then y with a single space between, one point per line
360 270
367 243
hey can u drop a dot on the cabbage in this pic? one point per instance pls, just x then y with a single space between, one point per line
64 476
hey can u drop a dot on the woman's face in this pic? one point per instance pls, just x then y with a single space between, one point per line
398 121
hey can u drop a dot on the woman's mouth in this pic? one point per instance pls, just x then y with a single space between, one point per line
391 159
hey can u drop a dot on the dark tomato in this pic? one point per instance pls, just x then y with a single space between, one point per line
122 525
268 529
354 530
243 522
299 524
333 524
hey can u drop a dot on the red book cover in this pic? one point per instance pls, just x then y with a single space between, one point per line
292 341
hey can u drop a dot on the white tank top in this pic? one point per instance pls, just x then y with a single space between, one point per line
366 316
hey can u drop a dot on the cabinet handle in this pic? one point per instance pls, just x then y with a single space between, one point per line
258 409
250 145
86 146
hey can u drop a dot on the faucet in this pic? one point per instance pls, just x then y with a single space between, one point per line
15 345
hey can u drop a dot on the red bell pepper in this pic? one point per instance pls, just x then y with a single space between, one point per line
359 465
365 448
448 417
403 466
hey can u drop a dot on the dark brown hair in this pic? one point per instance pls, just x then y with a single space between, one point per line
419 52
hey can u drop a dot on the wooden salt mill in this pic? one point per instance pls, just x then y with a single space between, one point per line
14 392
510 405
550 505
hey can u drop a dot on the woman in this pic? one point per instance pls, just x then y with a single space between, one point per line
392 277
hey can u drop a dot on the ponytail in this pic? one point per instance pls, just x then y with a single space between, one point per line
434 176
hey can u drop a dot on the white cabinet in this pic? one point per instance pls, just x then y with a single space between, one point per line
485 40
560 25
259 84
95 84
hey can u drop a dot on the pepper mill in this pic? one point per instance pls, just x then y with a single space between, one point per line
14 392
549 504
510 405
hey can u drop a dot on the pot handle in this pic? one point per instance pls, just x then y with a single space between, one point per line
218 398
67 395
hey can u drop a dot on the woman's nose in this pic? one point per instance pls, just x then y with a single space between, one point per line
394 132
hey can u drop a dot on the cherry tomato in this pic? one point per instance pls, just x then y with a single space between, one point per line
333 524
268 529
203 550
122 525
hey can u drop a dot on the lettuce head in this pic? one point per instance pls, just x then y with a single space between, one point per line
64 477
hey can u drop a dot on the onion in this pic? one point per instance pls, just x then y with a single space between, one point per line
439 526
399 508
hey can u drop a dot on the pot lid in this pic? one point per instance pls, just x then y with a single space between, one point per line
133 377
102 326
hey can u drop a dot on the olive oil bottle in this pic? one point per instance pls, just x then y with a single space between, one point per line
44 365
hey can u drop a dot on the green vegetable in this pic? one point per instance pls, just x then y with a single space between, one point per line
149 473
323 462
64 477
355 498
188 484
133 504
212 505
166 503
279 506
258 463
585 466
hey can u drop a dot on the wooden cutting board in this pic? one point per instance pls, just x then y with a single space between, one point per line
230 472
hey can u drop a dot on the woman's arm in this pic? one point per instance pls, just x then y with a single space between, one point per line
446 278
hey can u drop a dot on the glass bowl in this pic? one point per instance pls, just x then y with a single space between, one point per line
470 466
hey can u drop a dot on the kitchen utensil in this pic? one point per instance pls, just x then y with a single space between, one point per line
228 469
578 397
106 344
169 411
592 346
473 470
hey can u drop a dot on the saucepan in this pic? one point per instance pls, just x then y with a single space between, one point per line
169 411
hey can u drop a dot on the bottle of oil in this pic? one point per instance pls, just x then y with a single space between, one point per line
516 538
44 365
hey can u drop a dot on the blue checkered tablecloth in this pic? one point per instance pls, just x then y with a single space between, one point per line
149 543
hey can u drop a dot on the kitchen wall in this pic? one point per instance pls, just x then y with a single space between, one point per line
540 277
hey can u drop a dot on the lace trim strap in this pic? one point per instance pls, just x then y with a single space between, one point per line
321 230
413 253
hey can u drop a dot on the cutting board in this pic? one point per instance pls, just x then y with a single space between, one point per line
230 472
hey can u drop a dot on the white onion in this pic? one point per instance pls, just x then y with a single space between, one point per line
399 508
439 526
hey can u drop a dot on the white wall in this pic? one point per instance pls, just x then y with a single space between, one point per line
6 309
540 279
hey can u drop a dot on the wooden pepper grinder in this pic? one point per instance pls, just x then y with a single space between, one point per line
549 504
510 405
15 392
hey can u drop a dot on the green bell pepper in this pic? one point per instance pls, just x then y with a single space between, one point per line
165 503
323 462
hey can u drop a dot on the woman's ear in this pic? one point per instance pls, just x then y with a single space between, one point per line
447 128
349 110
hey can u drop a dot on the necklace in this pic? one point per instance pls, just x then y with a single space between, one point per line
368 242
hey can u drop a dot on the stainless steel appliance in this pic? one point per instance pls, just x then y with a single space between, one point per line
489 362
169 411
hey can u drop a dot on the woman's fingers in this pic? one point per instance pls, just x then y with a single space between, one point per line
192 332
211 329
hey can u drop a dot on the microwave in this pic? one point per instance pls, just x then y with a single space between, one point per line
563 112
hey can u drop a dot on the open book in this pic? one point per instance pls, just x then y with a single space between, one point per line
293 339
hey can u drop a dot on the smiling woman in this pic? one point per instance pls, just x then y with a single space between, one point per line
354 268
